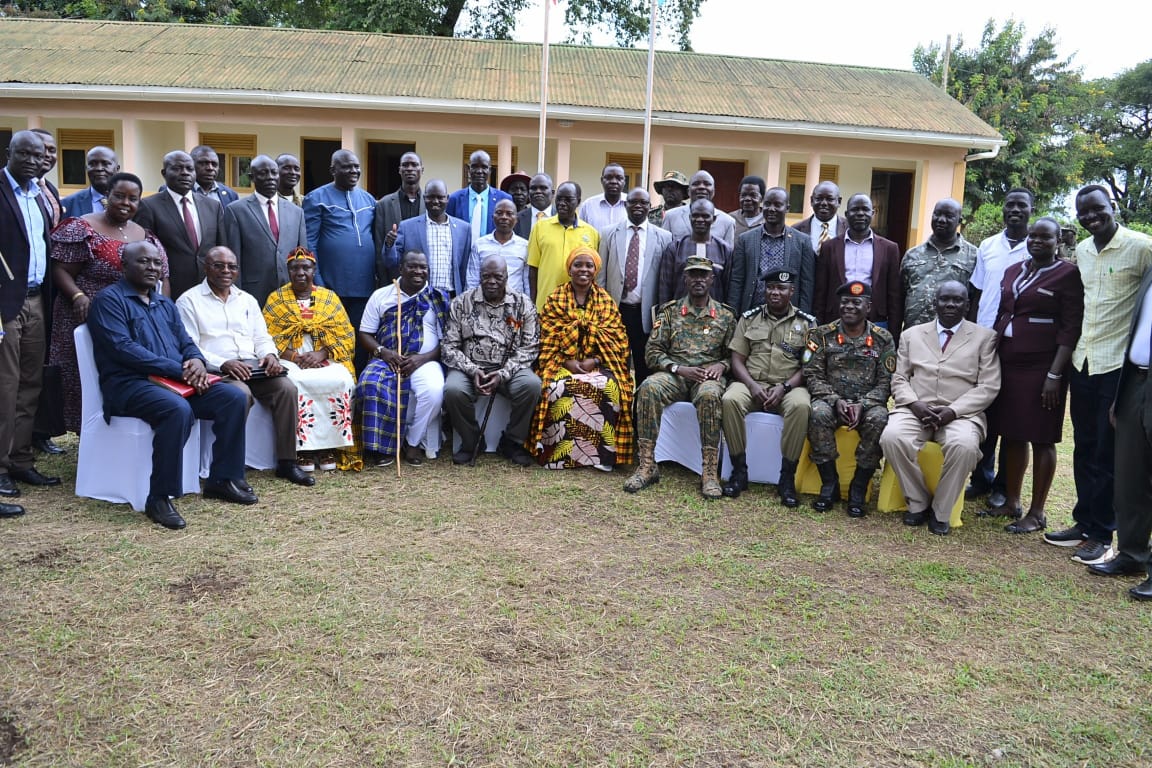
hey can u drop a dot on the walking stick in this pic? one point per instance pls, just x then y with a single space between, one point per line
514 327
399 401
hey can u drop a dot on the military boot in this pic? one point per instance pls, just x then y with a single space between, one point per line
738 480
647 471
858 491
786 487
709 474
829 487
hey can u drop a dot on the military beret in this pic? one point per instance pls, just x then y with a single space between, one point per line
855 288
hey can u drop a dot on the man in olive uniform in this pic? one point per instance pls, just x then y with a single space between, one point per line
767 347
848 370
688 355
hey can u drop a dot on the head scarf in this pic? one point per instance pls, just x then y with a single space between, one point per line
582 250
302 253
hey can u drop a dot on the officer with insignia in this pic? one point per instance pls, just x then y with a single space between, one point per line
767 347
848 370
687 353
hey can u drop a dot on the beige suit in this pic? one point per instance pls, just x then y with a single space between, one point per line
965 378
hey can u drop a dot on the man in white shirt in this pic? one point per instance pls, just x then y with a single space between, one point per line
503 242
606 210
227 325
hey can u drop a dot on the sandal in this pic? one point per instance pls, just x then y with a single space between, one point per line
1004 511
1028 524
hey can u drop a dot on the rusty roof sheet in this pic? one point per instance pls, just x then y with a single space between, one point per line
101 53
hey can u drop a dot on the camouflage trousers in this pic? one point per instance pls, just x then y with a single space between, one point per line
822 425
794 409
662 389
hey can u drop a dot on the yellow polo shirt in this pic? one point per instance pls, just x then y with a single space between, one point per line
548 249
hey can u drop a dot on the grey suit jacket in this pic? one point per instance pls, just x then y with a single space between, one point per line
388 215
1126 369
614 253
160 215
965 377
263 261
677 222
744 270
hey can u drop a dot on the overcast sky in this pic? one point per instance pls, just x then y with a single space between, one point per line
1103 41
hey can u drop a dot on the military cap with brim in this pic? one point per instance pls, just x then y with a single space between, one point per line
698 264
672 177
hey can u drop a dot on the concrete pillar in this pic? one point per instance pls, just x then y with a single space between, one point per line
130 137
34 121
350 139
655 168
563 160
772 172
191 136
811 179
504 156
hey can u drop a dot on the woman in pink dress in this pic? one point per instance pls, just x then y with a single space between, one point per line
86 255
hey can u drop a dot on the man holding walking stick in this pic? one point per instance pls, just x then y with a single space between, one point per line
492 341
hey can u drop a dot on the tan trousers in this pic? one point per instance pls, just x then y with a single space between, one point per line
960 441
794 409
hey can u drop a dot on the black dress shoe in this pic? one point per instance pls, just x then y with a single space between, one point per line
32 476
45 445
8 488
915 518
1142 591
1121 565
228 490
161 511
937 527
293 474
11 510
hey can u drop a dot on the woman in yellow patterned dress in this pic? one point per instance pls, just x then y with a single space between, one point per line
585 414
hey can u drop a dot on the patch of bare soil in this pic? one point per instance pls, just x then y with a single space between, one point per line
11 740
55 558
203 585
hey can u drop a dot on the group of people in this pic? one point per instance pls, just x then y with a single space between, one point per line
363 325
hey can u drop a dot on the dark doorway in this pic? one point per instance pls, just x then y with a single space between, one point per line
892 201
727 174
382 172
316 155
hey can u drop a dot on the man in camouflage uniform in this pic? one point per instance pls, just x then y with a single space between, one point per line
945 256
766 350
688 356
848 370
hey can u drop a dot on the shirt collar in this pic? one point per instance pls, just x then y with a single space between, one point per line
33 188
265 200
871 237
940 328
177 198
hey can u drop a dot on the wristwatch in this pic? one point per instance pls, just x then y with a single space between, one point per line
673 368
787 387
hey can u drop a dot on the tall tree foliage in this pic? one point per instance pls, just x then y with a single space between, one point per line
1121 122
625 20
1025 90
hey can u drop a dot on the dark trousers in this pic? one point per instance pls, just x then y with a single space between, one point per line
1093 457
279 395
633 319
21 369
1134 473
354 306
460 395
172 419
989 473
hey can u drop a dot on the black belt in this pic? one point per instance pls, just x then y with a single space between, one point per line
633 307
33 291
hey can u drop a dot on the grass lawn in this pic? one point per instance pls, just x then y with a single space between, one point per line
493 616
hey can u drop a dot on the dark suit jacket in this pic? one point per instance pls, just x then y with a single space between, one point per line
412 236
805 226
526 217
887 292
15 248
458 207
388 215
78 204
160 215
744 270
263 261
1127 370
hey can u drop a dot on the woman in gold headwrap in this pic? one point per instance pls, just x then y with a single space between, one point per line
585 412
316 341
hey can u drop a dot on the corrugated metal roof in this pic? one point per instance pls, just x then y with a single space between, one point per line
98 53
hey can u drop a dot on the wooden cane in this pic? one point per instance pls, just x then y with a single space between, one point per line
399 402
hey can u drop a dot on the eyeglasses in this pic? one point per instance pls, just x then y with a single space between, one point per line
223 267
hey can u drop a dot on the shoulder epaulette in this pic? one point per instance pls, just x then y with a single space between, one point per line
806 316
753 312
666 306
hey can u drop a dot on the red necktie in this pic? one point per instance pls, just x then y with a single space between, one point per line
632 263
272 223
947 339
189 225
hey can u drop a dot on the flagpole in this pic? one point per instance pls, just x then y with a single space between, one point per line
544 87
648 96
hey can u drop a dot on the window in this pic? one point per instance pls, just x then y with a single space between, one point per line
632 165
236 151
494 154
72 158
797 173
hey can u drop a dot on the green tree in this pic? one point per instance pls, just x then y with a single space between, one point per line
626 20
1025 90
1121 122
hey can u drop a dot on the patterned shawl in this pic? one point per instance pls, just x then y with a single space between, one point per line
329 326
566 333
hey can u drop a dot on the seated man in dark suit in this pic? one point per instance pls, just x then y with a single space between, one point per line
137 333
